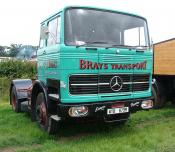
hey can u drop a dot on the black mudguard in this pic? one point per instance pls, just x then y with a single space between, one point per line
38 87
158 93
22 86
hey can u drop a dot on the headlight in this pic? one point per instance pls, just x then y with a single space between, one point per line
80 111
147 104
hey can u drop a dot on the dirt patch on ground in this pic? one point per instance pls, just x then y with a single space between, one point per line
22 148
9 149
154 122
164 148
75 137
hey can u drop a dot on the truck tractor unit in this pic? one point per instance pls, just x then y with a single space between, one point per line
93 64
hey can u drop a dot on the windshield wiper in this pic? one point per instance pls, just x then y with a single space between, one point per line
93 42
141 46
127 46
118 45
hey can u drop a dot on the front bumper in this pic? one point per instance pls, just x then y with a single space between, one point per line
98 110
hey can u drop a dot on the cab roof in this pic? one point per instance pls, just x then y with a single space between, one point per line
90 7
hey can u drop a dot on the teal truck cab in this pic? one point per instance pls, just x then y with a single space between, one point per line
92 64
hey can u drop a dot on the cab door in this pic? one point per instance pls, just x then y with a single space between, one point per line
52 50
41 56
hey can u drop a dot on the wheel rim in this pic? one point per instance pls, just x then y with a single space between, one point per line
42 114
13 101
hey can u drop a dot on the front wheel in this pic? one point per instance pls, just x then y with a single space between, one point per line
42 116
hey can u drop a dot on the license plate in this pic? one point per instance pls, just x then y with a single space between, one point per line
117 110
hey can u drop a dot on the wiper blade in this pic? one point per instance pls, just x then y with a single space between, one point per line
93 42
118 45
141 46
127 46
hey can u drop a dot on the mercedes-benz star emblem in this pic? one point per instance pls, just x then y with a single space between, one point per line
116 83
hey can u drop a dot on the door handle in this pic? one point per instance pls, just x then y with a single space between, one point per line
140 50
93 49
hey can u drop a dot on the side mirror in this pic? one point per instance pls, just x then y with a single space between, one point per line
44 32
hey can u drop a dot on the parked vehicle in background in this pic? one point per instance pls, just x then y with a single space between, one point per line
164 72
93 64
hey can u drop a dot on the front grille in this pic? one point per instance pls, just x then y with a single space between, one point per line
94 84
83 84
107 78
140 77
140 82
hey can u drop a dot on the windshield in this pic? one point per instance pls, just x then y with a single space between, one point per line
86 26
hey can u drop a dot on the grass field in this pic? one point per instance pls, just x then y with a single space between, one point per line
146 131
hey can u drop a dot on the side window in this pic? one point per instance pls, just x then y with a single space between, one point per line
58 30
134 36
54 32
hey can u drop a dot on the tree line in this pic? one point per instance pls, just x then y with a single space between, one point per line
12 50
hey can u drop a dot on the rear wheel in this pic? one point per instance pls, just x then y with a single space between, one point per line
42 116
16 105
159 96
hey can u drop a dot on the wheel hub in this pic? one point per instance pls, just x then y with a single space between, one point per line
42 114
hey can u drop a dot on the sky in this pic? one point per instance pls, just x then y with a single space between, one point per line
20 19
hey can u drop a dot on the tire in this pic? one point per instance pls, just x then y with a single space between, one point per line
159 96
16 104
42 116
